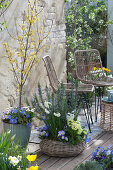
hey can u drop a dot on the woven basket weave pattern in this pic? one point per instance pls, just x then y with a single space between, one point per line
106 116
59 149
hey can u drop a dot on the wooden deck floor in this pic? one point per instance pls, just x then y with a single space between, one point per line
52 163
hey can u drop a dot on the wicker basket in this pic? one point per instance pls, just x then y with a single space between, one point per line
59 149
106 122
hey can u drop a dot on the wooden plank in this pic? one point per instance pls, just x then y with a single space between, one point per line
60 162
76 161
105 145
49 162
42 159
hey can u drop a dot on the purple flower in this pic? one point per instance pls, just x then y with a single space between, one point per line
63 137
61 132
66 138
47 134
9 117
13 121
15 111
28 116
111 152
29 125
22 112
87 140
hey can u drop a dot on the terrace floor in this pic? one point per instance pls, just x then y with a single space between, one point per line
98 137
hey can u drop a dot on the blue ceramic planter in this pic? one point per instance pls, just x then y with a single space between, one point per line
22 133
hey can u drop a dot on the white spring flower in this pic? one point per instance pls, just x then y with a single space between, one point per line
19 157
57 114
47 104
70 116
13 160
46 111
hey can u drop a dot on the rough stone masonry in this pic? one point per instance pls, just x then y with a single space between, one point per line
52 20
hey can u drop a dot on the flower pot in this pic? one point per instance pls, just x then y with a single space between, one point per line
22 133
60 149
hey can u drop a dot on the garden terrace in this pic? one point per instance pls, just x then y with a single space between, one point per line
98 136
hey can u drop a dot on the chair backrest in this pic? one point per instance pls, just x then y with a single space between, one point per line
88 65
51 73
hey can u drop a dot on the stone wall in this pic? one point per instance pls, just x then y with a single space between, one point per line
52 19
110 37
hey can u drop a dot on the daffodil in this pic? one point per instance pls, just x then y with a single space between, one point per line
31 157
33 168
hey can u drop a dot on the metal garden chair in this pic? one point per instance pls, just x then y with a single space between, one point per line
89 70
83 89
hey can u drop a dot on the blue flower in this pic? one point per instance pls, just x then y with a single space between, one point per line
66 138
111 152
13 121
9 117
29 125
22 112
61 132
28 116
47 134
87 140
63 137
15 111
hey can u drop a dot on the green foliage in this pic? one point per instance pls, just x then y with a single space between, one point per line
86 23
3 4
59 113
89 166
9 148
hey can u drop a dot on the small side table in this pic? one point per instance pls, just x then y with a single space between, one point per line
106 122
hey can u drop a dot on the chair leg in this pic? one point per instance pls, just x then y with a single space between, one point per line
96 107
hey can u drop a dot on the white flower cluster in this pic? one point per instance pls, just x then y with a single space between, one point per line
47 105
15 160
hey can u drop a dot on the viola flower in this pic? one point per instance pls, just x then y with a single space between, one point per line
13 121
15 111
66 138
29 125
28 116
61 132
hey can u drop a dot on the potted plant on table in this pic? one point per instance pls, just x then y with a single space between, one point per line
23 57
62 135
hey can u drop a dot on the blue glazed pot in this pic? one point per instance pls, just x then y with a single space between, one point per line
22 133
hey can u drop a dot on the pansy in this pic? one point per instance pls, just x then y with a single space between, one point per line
13 121
61 132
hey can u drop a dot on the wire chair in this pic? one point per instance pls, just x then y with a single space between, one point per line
89 70
83 89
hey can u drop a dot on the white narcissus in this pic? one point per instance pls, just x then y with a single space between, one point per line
13 160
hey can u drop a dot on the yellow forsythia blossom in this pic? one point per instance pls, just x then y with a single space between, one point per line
31 157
